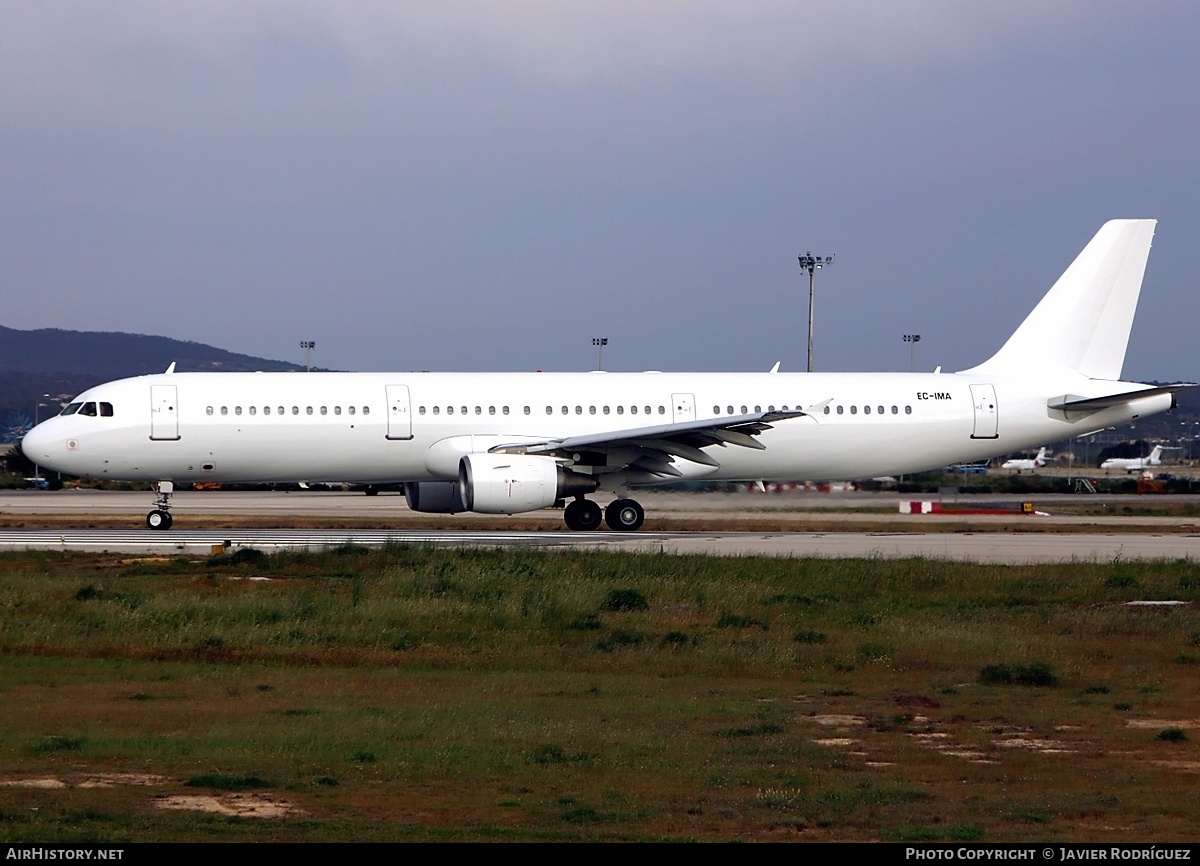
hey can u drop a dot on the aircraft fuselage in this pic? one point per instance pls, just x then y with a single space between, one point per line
390 427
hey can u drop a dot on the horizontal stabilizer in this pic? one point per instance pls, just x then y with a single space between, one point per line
1071 403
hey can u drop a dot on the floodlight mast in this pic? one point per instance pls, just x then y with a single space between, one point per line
308 346
912 340
810 264
600 343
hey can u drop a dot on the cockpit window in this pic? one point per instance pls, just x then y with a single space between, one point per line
88 408
71 408
106 410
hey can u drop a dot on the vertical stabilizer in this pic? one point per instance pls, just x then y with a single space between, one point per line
1083 322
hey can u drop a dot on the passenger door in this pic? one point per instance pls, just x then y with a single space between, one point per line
164 412
399 423
983 398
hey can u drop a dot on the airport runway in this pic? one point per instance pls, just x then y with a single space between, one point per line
1025 539
981 547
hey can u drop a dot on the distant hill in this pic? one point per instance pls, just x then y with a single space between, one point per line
64 363
109 355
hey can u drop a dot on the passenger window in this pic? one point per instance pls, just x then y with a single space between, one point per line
841 409
324 410
436 410
743 410
449 410
106 410
478 410
491 410
527 410
633 410
591 410
549 411
224 410
266 410
895 410
758 408
209 410
505 410
826 410
295 410
605 410
620 410
647 408
464 410
853 410
308 410
420 411
716 410
337 410
908 410
662 410
866 410
565 410
237 410
366 410
350 409
880 410
578 410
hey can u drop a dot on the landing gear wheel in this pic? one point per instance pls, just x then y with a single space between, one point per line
582 515
624 515
158 519
371 490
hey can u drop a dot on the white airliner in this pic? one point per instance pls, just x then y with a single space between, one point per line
1135 464
1026 464
503 443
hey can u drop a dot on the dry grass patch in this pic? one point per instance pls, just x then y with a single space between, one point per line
418 694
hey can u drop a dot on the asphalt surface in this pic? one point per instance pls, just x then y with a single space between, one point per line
1027 539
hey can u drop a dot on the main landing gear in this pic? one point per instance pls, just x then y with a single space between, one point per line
622 515
160 517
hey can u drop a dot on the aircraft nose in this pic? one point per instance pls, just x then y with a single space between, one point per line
35 444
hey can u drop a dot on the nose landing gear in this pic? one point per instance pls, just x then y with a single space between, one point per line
160 517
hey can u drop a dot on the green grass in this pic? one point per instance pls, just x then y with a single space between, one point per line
418 694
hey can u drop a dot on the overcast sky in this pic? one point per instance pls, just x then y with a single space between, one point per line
490 185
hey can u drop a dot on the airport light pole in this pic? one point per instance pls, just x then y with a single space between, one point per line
912 340
600 343
36 417
810 264
308 346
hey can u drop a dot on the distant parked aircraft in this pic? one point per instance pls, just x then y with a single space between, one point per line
1023 464
1135 464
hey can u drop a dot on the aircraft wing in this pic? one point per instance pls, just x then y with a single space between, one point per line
653 449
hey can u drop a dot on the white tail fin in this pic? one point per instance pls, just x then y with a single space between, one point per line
1083 322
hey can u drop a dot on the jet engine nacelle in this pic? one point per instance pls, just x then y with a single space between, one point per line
433 497
511 483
